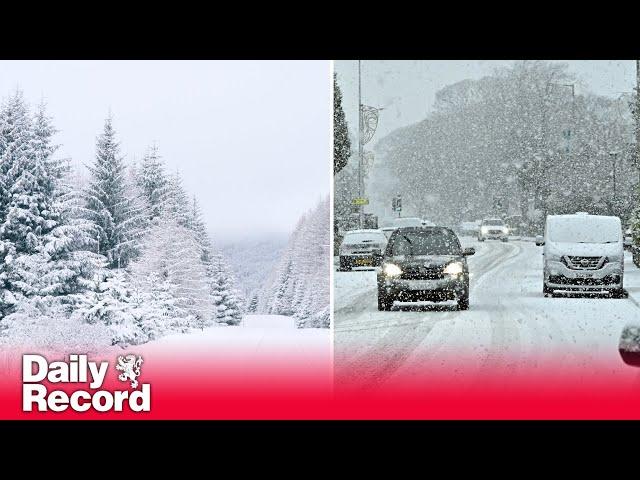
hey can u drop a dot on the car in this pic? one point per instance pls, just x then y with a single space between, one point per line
424 263
407 222
470 228
493 228
388 231
362 248
582 253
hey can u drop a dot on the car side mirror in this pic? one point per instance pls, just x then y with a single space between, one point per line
539 240
468 251
629 345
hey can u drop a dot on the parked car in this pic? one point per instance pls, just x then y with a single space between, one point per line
493 228
584 253
424 263
362 248
388 231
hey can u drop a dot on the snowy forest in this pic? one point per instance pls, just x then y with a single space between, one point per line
120 259
521 141
298 286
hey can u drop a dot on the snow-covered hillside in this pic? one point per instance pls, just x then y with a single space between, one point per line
299 284
252 259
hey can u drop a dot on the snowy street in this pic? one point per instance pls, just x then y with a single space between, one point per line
510 330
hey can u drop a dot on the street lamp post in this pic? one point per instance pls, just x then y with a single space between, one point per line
360 160
614 156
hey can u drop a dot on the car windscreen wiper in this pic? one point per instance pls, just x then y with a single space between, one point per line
410 244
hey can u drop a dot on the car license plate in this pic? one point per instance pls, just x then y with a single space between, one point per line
585 275
363 261
422 285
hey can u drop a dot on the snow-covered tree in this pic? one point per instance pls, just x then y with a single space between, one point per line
341 141
299 286
172 255
227 298
118 217
151 178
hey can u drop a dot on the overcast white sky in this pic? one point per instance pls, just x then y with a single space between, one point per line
251 138
406 88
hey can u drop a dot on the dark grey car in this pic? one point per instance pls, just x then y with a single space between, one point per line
424 263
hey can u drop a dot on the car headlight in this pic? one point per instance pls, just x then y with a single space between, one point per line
454 268
484 229
391 270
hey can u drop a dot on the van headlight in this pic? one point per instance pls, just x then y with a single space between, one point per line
454 268
391 270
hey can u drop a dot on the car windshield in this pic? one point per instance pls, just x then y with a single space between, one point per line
592 229
493 222
425 242
355 238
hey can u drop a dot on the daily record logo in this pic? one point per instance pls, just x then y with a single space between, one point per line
78 369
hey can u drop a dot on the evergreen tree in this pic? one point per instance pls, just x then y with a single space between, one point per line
253 304
341 141
120 221
226 297
153 182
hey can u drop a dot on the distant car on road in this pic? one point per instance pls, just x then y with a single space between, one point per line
584 253
362 248
470 228
493 228
424 263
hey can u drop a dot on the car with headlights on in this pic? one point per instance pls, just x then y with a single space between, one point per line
361 248
493 228
424 264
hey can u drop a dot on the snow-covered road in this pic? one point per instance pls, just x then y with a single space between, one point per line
510 331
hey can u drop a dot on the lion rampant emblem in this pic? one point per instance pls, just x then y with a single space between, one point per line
129 365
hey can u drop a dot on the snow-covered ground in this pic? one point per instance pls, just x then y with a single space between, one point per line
510 330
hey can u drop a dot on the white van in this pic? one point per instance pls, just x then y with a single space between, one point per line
584 253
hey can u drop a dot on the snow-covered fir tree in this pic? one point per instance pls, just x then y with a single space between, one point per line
153 182
118 217
227 298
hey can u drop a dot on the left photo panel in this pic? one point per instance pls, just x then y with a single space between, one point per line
165 239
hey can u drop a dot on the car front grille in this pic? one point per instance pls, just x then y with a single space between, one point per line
584 263
495 232
422 273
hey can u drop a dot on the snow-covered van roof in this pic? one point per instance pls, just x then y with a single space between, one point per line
583 228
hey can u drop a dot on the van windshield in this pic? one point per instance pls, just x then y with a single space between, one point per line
437 241
584 230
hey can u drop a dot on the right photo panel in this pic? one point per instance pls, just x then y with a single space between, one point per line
487 238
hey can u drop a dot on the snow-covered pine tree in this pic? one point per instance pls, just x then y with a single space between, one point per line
119 220
177 203
67 253
227 298
341 141
153 181
253 304
171 264
15 145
